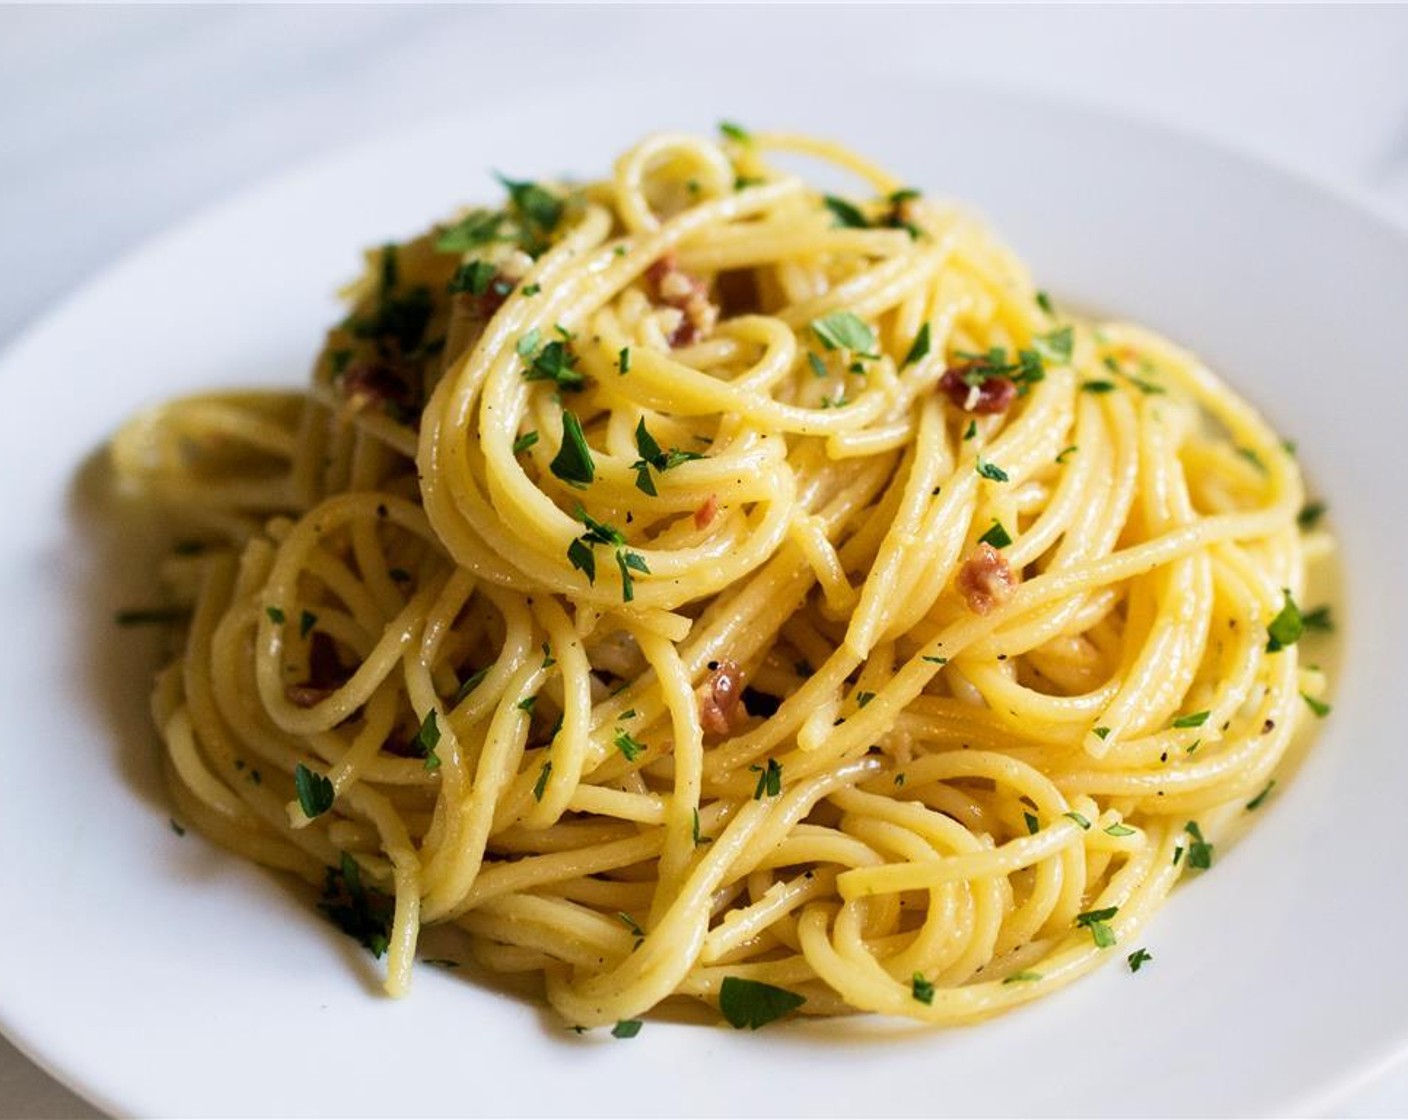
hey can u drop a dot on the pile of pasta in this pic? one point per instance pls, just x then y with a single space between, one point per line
694 585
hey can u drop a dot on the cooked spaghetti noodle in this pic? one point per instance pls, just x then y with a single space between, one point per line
692 577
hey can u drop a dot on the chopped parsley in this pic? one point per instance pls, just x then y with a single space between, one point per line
1094 920
698 839
1197 719
537 210
1067 453
919 348
864 698
524 442
1098 387
1026 976
753 1004
554 362
1286 628
1199 850
1256 802
921 989
527 703
628 745
628 562
361 912
315 792
1044 302
1318 620
844 330
735 132
1033 825
652 456
846 214
1250 455
175 827
471 682
1319 707
991 470
1118 829
306 621
473 277
626 1028
1102 732
1310 515
1056 346
426 740
1139 958
1080 819
996 536
769 779
623 360
573 462
818 366
541 785
276 615
934 660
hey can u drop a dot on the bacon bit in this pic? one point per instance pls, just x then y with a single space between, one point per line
719 697
689 294
306 696
704 515
369 383
985 579
326 673
991 394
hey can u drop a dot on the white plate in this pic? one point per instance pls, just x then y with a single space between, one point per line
157 975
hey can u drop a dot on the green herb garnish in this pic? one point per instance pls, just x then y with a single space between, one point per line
753 1004
843 330
996 536
1286 628
573 462
315 792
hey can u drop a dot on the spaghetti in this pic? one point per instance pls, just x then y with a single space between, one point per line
694 585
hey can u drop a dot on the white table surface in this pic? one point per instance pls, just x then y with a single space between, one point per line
117 122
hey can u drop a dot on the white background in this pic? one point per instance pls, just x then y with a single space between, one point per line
117 122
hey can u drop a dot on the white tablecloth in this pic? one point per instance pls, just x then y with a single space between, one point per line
117 122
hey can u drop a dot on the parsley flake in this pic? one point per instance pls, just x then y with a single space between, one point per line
921 989
1094 920
991 470
1319 707
315 792
1256 802
1286 628
524 442
628 744
541 785
626 1028
1196 719
753 1004
996 536
426 740
573 462
769 779
846 214
1138 958
1199 851
919 348
844 330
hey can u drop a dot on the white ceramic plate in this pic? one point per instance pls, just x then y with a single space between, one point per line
157 975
